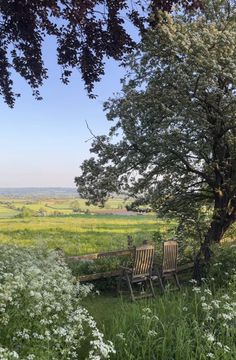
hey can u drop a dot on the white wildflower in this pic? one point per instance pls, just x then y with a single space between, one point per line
121 336
147 310
210 355
207 291
210 337
196 289
152 333
193 281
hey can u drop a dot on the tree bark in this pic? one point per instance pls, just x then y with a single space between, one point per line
220 223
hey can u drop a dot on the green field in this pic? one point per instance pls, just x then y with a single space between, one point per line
201 317
53 223
10 207
80 234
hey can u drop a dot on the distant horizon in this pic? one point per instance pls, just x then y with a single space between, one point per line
37 187
38 192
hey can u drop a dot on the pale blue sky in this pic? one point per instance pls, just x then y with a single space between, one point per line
43 143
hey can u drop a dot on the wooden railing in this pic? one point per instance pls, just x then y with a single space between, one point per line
95 256
114 273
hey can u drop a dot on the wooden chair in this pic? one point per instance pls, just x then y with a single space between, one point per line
169 262
141 272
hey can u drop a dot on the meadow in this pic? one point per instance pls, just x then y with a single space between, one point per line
46 205
45 314
54 223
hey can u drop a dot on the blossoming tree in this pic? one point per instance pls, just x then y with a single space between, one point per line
173 139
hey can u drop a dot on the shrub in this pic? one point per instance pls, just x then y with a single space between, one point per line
40 312
223 264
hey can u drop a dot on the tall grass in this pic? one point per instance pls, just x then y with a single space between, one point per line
196 323
42 316
80 234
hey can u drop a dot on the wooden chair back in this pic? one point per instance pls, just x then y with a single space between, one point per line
143 260
170 253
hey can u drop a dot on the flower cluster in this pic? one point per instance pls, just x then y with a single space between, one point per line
218 313
41 315
219 320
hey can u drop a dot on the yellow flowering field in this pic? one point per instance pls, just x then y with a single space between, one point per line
80 234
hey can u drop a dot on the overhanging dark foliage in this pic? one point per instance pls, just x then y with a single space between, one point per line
86 32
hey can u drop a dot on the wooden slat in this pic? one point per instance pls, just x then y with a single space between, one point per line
109 274
143 260
91 277
185 267
170 251
94 256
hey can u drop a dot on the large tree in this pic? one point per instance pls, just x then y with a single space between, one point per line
86 31
172 143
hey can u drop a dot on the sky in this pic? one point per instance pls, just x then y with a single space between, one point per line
43 143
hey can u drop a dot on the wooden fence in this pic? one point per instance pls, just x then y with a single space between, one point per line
109 274
125 252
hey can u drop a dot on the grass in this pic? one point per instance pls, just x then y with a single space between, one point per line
80 234
57 225
192 324
5 212
9 207
195 323
42 316
172 327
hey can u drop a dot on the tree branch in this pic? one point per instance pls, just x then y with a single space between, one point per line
192 169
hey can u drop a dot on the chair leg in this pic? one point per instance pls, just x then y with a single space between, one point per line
151 286
130 287
161 284
177 280
160 277
119 285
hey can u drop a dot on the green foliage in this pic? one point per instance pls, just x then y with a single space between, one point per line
195 323
75 205
176 114
25 212
223 265
41 313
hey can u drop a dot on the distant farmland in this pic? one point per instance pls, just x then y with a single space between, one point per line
68 223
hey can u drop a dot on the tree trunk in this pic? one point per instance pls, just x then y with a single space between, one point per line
221 221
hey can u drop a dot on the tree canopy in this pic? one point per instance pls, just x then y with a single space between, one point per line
172 143
86 32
